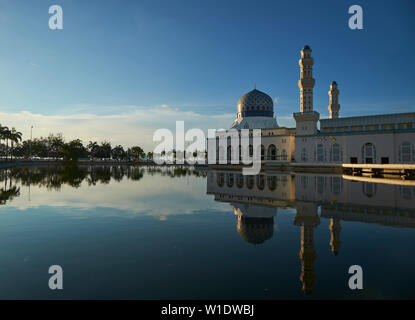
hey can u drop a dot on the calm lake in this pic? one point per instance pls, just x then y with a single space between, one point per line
170 233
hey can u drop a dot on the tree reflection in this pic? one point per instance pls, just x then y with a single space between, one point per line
53 177
9 194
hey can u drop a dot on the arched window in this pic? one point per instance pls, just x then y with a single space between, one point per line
262 152
272 182
260 182
406 152
250 182
272 152
369 153
219 179
240 181
229 180
320 152
336 153
304 155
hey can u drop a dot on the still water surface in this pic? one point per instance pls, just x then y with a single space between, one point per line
165 233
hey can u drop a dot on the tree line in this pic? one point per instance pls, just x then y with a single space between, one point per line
55 147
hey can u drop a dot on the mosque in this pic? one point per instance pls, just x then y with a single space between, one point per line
376 139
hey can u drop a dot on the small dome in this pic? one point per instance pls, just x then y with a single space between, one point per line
255 104
306 47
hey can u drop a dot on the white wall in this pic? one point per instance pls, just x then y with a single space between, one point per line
386 145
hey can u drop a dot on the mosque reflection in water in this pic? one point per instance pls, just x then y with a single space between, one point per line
256 199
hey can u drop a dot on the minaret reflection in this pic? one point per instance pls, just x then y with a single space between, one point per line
335 229
307 218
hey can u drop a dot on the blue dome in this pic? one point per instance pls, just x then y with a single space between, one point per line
255 104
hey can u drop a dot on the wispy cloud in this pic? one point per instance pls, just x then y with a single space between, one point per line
135 126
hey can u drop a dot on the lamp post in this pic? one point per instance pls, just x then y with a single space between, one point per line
31 127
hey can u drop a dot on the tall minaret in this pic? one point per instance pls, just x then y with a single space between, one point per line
306 82
307 118
334 106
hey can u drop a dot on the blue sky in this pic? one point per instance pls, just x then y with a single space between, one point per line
117 59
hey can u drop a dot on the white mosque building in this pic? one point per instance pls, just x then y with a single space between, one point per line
377 139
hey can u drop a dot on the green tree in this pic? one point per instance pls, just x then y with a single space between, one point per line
55 143
118 153
136 152
73 150
16 136
5 135
104 150
93 149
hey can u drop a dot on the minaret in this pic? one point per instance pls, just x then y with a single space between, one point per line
334 106
308 219
335 229
306 82
307 118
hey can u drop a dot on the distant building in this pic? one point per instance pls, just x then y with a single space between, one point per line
387 138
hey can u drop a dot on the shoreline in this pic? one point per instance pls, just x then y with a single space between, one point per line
396 171
30 163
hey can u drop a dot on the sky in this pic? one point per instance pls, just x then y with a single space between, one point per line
119 70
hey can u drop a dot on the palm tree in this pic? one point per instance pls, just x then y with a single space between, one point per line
16 136
2 132
93 149
5 135
8 136
56 143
